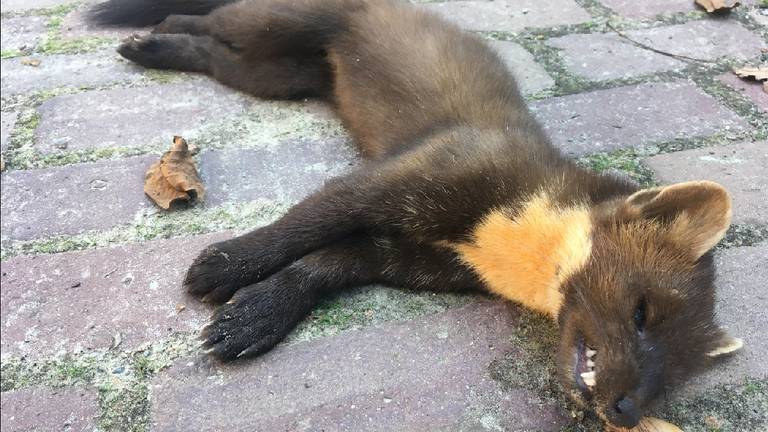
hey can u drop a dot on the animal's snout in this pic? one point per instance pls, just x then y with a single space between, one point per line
625 412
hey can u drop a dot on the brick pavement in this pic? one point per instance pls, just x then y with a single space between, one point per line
114 320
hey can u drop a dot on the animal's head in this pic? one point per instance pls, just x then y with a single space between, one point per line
639 315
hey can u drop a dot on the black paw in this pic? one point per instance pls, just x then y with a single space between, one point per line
215 274
143 50
256 319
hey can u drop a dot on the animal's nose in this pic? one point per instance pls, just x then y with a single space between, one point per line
626 413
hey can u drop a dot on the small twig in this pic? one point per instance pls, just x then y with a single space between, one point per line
657 51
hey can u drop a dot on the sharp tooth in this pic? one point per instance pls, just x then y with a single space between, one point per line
591 352
590 364
589 378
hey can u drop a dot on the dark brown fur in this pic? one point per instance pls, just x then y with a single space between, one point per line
448 141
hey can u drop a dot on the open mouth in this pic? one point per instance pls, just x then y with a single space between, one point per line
584 369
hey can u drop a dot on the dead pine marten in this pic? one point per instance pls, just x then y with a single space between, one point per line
461 189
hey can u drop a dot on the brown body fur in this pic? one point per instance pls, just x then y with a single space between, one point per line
462 190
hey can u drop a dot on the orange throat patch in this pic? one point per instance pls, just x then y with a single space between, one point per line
527 258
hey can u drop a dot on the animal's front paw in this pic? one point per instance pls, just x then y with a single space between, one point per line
136 47
215 274
258 317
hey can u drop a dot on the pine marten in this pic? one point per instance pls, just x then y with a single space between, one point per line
461 189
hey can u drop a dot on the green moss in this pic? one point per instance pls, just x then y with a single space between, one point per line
65 371
10 53
628 161
124 408
739 235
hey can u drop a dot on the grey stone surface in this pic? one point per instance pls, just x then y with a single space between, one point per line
633 116
742 302
760 15
74 25
66 70
603 56
752 89
425 374
531 77
42 409
509 15
72 199
24 5
286 173
7 122
651 8
741 168
22 33
132 117
84 300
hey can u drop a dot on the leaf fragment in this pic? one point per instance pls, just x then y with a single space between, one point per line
717 6
174 178
648 424
759 73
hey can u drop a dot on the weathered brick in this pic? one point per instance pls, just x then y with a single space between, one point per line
751 89
431 374
44 409
22 5
633 116
82 300
531 77
72 199
741 306
66 70
22 33
651 8
133 116
509 15
7 123
90 196
741 168
603 56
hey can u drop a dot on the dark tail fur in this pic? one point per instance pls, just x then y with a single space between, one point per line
140 13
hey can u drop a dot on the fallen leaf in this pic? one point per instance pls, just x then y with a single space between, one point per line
30 62
180 307
648 424
717 6
759 73
174 178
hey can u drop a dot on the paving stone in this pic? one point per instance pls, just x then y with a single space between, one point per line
74 25
760 15
651 8
751 89
531 77
81 300
66 70
430 374
43 409
22 33
133 117
633 116
286 173
741 168
23 5
509 15
72 199
7 122
603 56
741 282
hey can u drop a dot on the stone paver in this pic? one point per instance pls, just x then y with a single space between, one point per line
751 89
23 5
81 197
632 116
651 8
531 77
509 15
83 300
430 374
7 123
741 168
742 278
66 70
604 56
74 25
22 33
42 409
133 117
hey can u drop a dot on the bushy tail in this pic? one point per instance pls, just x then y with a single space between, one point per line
140 13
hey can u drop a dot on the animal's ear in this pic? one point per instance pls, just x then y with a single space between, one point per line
699 213
725 345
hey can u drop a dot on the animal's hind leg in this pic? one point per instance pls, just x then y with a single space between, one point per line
196 25
274 78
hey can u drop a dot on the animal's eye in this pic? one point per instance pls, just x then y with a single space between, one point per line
639 316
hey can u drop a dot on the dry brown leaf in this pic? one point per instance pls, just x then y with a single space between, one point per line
648 424
759 73
717 6
174 178
30 62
